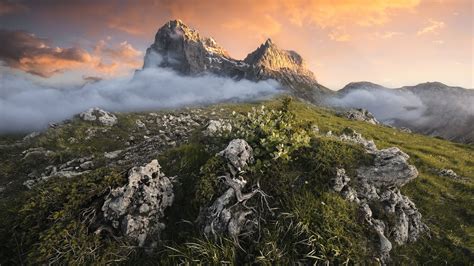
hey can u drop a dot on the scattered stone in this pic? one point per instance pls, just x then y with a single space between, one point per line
53 125
353 136
405 129
448 173
112 154
137 209
140 124
96 114
340 181
87 165
39 152
90 133
217 128
31 136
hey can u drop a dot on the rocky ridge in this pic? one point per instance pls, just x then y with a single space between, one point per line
183 49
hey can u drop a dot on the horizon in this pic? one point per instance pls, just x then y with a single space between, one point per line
341 42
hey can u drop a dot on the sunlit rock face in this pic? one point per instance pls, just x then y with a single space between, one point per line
184 50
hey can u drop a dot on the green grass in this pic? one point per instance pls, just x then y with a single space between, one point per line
312 224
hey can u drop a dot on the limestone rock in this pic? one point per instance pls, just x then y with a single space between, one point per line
229 213
377 187
361 114
217 128
96 114
355 137
34 153
238 153
390 169
137 208
340 180
112 154
448 173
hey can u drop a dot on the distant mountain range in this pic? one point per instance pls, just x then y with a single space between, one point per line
430 108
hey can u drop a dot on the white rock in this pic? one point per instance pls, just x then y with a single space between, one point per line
99 115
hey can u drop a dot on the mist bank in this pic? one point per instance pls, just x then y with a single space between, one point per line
429 108
26 105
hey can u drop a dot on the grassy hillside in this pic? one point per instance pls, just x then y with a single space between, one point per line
313 224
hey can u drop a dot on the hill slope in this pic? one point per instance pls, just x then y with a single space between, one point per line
79 166
430 108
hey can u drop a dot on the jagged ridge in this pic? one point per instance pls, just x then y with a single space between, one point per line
183 49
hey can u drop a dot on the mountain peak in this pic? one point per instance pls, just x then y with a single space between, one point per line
271 57
268 42
183 49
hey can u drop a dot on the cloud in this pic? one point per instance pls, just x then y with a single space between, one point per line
339 36
33 55
25 105
11 7
330 13
29 53
388 34
257 19
433 28
386 105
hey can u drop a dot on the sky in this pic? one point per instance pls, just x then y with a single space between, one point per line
389 42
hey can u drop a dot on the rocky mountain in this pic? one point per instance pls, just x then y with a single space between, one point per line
431 108
183 49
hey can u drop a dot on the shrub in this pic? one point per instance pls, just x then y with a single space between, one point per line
273 133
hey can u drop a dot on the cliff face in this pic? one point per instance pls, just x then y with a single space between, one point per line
183 49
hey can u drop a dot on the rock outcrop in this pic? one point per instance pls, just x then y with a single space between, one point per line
376 189
217 127
183 49
361 114
137 209
98 115
228 214
69 169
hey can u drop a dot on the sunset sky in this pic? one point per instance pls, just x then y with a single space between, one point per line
390 42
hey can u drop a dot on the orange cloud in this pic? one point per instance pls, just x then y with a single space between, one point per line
331 13
25 51
433 28
388 34
339 36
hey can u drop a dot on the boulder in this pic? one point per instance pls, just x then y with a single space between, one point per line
377 187
217 127
353 136
229 214
137 208
238 153
96 114
361 115
390 169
